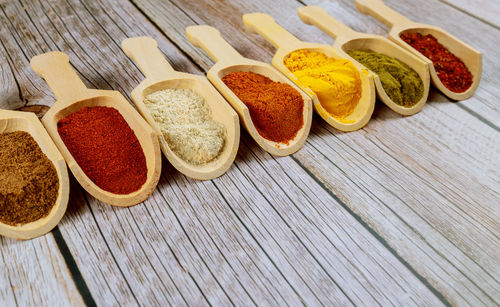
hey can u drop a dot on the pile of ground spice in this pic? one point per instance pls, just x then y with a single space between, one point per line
451 70
336 82
400 82
276 108
105 148
28 180
185 121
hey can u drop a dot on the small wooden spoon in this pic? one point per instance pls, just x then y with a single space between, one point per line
11 121
160 75
286 43
228 60
72 95
348 39
400 24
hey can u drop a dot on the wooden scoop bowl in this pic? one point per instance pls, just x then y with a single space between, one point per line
11 121
159 76
399 24
228 60
72 95
348 39
286 43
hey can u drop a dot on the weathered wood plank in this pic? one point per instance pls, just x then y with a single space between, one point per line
439 238
238 240
484 10
322 226
257 235
18 41
227 280
431 179
34 273
9 96
54 19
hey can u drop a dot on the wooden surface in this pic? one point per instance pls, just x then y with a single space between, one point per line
404 211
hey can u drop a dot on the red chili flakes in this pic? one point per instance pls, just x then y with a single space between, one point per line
450 69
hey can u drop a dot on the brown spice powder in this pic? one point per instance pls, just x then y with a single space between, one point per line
275 108
28 180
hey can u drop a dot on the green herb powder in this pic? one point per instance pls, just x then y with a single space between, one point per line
401 83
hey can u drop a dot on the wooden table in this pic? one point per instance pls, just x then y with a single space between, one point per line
403 212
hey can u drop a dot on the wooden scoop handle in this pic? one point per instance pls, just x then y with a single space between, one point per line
272 32
315 15
209 39
382 12
143 50
55 69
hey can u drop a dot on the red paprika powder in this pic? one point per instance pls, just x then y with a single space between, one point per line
450 69
275 108
105 148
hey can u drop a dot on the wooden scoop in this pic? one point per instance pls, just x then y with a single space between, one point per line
159 76
228 60
72 95
11 121
400 24
286 43
348 39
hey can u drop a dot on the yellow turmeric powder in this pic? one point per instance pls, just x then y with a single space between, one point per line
336 82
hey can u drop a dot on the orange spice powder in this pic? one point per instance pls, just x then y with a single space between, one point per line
275 108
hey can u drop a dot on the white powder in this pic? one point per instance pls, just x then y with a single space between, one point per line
186 123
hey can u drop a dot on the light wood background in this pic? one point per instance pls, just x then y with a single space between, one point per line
402 212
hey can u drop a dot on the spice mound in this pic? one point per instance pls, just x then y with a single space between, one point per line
28 180
450 69
275 108
106 148
185 121
336 82
401 83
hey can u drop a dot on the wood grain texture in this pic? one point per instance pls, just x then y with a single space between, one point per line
484 10
421 178
34 273
9 96
403 212
182 247
202 248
